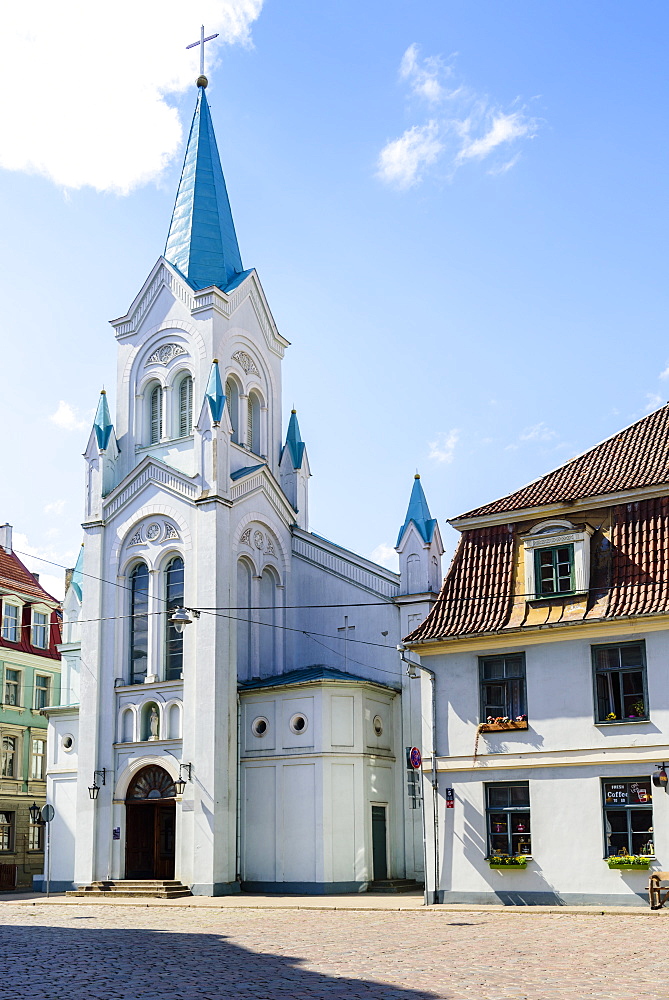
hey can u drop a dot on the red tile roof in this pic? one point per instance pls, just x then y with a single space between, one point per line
477 592
629 576
635 457
16 577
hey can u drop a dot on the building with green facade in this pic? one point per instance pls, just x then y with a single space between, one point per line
30 677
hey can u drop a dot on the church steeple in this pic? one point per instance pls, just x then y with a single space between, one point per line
202 243
418 512
419 546
103 423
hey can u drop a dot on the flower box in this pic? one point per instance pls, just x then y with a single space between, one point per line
506 861
629 862
496 727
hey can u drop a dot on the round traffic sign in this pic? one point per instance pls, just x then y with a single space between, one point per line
48 813
415 757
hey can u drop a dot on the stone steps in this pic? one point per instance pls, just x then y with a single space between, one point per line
133 889
395 885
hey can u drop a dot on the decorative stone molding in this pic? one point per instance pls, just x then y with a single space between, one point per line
164 354
258 539
136 538
246 537
246 362
553 533
170 531
153 531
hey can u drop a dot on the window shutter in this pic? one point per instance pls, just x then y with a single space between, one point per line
249 423
185 406
156 414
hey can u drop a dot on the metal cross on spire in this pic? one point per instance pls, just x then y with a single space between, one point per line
201 42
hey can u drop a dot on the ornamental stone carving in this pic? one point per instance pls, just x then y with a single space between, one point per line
258 539
136 538
163 355
170 531
246 362
246 536
270 548
153 532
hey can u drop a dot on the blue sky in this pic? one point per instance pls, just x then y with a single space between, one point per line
458 212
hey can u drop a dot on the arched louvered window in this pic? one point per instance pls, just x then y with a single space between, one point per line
174 641
139 623
253 425
156 414
243 614
185 406
232 403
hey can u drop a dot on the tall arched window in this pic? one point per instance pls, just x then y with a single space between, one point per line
185 406
232 403
174 641
156 414
268 620
253 427
139 623
243 615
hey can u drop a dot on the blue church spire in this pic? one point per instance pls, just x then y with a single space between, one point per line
418 512
202 243
294 442
103 424
214 394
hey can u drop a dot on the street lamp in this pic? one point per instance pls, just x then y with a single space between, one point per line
180 618
180 783
95 788
35 814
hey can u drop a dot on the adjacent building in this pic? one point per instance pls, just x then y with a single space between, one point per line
549 646
260 744
30 675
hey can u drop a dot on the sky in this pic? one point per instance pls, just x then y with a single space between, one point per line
457 209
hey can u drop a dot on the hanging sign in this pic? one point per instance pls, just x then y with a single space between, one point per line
450 798
415 758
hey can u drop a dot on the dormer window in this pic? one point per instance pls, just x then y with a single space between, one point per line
11 614
40 630
557 560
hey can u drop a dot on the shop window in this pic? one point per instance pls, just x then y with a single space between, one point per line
36 837
508 816
7 831
502 684
628 817
620 683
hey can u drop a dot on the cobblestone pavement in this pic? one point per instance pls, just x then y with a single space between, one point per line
99 952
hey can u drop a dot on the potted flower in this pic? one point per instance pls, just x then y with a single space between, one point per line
508 860
640 862
493 724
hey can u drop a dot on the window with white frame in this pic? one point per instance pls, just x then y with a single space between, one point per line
42 685
12 686
40 630
557 560
7 831
9 757
253 423
155 414
185 406
11 620
38 757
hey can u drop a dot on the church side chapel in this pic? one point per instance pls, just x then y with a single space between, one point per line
235 712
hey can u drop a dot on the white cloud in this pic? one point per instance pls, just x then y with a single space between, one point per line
50 577
85 92
423 75
56 508
538 432
402 160
385 555
665 373
67 418
466 127
443 448
653 400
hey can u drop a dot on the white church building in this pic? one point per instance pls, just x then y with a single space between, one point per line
263 745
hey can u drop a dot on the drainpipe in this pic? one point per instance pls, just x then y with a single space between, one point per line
413 668
238 827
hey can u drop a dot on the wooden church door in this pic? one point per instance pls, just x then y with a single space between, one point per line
150 825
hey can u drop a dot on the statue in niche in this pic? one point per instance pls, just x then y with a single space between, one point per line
154 723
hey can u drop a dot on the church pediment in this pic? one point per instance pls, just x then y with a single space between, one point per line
261 480
227 304
162 276
149 472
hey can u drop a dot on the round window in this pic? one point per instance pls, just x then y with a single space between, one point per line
67 743
377 722
298 723
259 726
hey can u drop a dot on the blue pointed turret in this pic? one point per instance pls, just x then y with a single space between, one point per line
214 394
419 513
77 580
102 423
202 243
294 442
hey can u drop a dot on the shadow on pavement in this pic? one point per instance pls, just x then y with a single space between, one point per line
41 962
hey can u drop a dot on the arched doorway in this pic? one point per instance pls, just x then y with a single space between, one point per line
149 825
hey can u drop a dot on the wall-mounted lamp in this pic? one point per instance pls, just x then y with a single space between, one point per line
182 617
180 783
35 813
95 788
661 779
